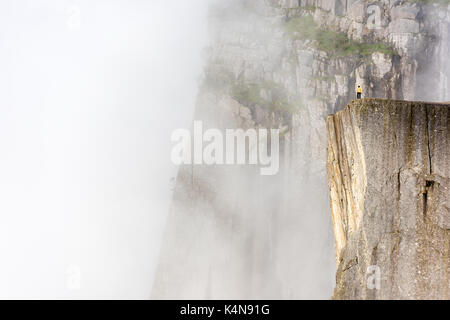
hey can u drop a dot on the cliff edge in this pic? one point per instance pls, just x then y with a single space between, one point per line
389 178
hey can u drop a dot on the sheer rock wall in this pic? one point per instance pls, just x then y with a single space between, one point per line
389 179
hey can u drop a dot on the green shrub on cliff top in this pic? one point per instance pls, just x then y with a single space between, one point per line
249 94
332 42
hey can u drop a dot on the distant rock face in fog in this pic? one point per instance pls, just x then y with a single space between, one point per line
389 179
287 64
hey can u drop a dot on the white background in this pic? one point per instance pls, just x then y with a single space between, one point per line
90 92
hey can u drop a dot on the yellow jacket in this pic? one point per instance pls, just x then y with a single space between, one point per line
359 90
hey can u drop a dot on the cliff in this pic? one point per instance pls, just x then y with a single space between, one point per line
389 180
287 64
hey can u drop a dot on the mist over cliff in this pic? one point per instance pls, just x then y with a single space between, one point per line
87 106
287 64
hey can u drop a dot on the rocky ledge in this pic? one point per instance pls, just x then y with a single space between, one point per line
389 178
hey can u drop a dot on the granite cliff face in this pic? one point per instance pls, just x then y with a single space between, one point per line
288 64
389 178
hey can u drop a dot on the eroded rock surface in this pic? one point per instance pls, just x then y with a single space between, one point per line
389 180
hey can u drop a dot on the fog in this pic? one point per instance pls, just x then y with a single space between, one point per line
233 233
90 92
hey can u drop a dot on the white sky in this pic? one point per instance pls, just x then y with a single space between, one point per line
90 91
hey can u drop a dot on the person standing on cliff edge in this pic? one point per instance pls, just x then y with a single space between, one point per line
358 92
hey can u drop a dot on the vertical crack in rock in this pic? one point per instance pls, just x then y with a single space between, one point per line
428 140
428 185
425 201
